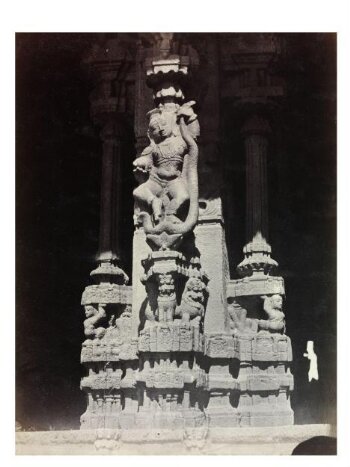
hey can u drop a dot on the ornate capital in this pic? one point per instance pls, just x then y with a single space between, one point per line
249 62
111 67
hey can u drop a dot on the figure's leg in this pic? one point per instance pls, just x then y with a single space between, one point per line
179 195
170 311
196 321
161 317
185 316
149 193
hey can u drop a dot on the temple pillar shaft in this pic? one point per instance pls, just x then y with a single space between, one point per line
255 132
110 195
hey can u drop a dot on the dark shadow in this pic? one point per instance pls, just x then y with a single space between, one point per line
317 446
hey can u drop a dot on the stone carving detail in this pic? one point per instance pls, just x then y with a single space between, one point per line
107 440
257 258
113 342
166 297
196 438
171 164
171 337
163 272
192 303
107 293
94 316
161 361
239 323
273 309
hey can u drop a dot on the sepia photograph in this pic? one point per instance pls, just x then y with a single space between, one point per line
176 243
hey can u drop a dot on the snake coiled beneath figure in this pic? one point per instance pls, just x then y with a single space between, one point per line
189 170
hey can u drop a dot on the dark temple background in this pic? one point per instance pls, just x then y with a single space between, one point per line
58 168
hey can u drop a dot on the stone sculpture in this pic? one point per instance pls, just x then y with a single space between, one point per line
93 317
166 298
181 351
192 308
273 309
171 164
239 323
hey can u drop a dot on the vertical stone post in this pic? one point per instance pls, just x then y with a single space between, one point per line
256 300
109 352
210 233
108 256
109 65
255 133
170 289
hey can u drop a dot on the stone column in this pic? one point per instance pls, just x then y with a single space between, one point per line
256 301
257 251
171 306
109 64
210 233
255 132
109 352
108 256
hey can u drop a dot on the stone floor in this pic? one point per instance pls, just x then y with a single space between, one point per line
234 441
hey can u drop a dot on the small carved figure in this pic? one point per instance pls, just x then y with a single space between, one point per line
192 303
94 316
166 298
123 323
276 318
195 438
171 162
239 323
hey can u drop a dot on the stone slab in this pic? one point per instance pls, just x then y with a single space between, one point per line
279 440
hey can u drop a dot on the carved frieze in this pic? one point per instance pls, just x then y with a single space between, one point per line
263 347
107 293
102 381
171 337
249 286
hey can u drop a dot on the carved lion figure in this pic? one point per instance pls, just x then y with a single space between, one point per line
192 303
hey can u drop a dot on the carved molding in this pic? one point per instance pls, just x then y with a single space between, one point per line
107 293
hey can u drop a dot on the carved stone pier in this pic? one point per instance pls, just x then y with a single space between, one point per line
109 353
256 300
185 349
